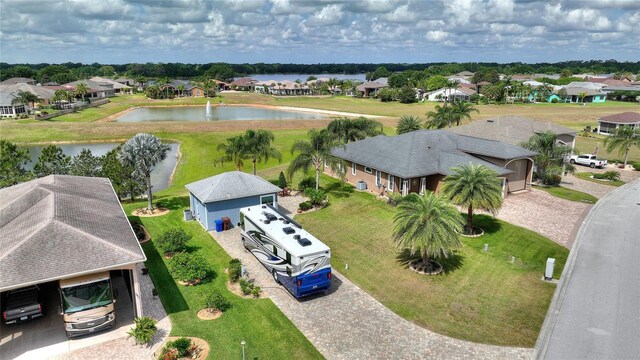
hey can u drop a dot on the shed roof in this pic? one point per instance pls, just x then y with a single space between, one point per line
622 118
61 226
230 185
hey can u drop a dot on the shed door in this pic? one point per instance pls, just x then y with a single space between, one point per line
518 180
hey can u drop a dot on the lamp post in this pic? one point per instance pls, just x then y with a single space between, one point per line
243 343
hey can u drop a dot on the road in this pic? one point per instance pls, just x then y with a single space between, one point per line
595 312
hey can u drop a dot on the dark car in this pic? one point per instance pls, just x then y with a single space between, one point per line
22 304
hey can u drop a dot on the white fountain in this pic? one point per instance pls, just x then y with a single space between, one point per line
207 112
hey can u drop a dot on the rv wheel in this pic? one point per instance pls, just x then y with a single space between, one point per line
275 276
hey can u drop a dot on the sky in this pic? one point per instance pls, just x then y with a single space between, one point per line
318 31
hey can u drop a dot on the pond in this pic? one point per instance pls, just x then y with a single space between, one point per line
159 176
198 113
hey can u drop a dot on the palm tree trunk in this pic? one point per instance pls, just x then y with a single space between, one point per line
626 154
470 220
149 195
317 177
254 166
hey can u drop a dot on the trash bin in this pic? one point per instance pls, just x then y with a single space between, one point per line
218 225
226 223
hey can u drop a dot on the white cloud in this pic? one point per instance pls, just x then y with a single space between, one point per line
437 35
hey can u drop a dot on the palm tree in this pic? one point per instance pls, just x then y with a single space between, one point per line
408 123
429 225
623 138
25 98
82 89
474 187
257 146
452 85
461 110
582 95
181 89
143 152
234 151
314 153
347 130
439 117
551 155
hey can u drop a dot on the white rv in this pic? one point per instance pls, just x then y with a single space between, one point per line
295 258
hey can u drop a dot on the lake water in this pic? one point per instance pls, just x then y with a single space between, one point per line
159 176
197 113
304 77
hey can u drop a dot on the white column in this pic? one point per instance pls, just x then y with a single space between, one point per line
137 294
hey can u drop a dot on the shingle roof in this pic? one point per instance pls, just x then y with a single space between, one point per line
622 118
230 185
512 130
61 226
371 85
9 92
18 80
426 152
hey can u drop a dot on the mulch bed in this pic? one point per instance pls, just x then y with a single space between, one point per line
476 232
207 314
143 212
201 354
428 267
141 233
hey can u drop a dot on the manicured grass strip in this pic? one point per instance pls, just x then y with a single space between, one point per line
268 332
569 194
588 176
482 297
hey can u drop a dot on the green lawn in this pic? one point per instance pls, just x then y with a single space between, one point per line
587 176
268 332
482 297
568 194
588 144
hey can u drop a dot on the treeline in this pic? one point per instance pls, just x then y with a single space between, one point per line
63 73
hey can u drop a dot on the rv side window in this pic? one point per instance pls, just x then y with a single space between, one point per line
288 260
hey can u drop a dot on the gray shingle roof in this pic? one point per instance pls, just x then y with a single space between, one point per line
512 130
60 226
230 185
427 152
10 92
622 118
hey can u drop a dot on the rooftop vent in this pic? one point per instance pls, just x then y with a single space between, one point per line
270 216
297 237
304 242
489 120
288 230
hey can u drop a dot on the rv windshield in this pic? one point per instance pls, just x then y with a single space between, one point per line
87 296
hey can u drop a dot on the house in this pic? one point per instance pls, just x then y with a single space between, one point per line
607 124
95 89
462 93
585 95
223 195
243 84
18 80
371 88
182 88
8 93
419 161
515 130
59 227
118 87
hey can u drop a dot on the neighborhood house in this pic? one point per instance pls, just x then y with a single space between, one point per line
607 124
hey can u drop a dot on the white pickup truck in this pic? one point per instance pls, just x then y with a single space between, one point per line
588 160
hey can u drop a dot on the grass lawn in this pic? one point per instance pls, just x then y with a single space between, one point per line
268 332
587 176
568 194
482 297
588 144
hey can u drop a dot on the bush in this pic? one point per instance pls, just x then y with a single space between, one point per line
608 175
180 348
554 101
282 180
144 330
394 199
316 197
189 267
174 240
407 95
183 345
307 182
235 270
216 301
305 205
636 166
552 179
386 95
246 287
256 292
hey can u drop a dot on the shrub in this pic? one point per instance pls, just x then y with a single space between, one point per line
555 101
282 180
305 205
636 166
608 175
407 95
215 300
144 330
552 179
189 267
235 270
394 199
307 182
179 348
246 287
174 240
256 292
316 197
386 95
182 345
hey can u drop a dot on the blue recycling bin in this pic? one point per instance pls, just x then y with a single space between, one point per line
219 225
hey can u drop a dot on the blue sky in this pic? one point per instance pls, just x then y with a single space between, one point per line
318 31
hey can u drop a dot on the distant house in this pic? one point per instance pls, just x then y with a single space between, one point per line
96 89
8 93
243 84
462 93
574 95
223 195
371 88
182 88
18 80
418 161
118 87
607 124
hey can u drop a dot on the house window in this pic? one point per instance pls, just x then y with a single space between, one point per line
267 199
368 170
391 182
353 168
378 178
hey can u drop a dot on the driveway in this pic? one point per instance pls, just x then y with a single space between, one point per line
347 323
595 189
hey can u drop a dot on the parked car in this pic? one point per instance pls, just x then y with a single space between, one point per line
23 304
588 160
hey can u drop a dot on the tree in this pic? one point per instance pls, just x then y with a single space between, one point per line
439 117
25 98
181 89
461 110
124 179
550 160
85 164
315 152
82 89
12 161
623 138
222 72
143 152
234 151
52 160
258 146
436 82
407 95
380 72
346 130
474 187
429 226
408 123
582 95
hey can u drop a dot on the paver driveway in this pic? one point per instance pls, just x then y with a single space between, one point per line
347 323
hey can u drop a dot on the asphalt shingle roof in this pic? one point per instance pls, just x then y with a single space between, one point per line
622 118
230 185
61 226
427 152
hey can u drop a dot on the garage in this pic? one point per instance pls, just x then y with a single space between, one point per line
68 236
